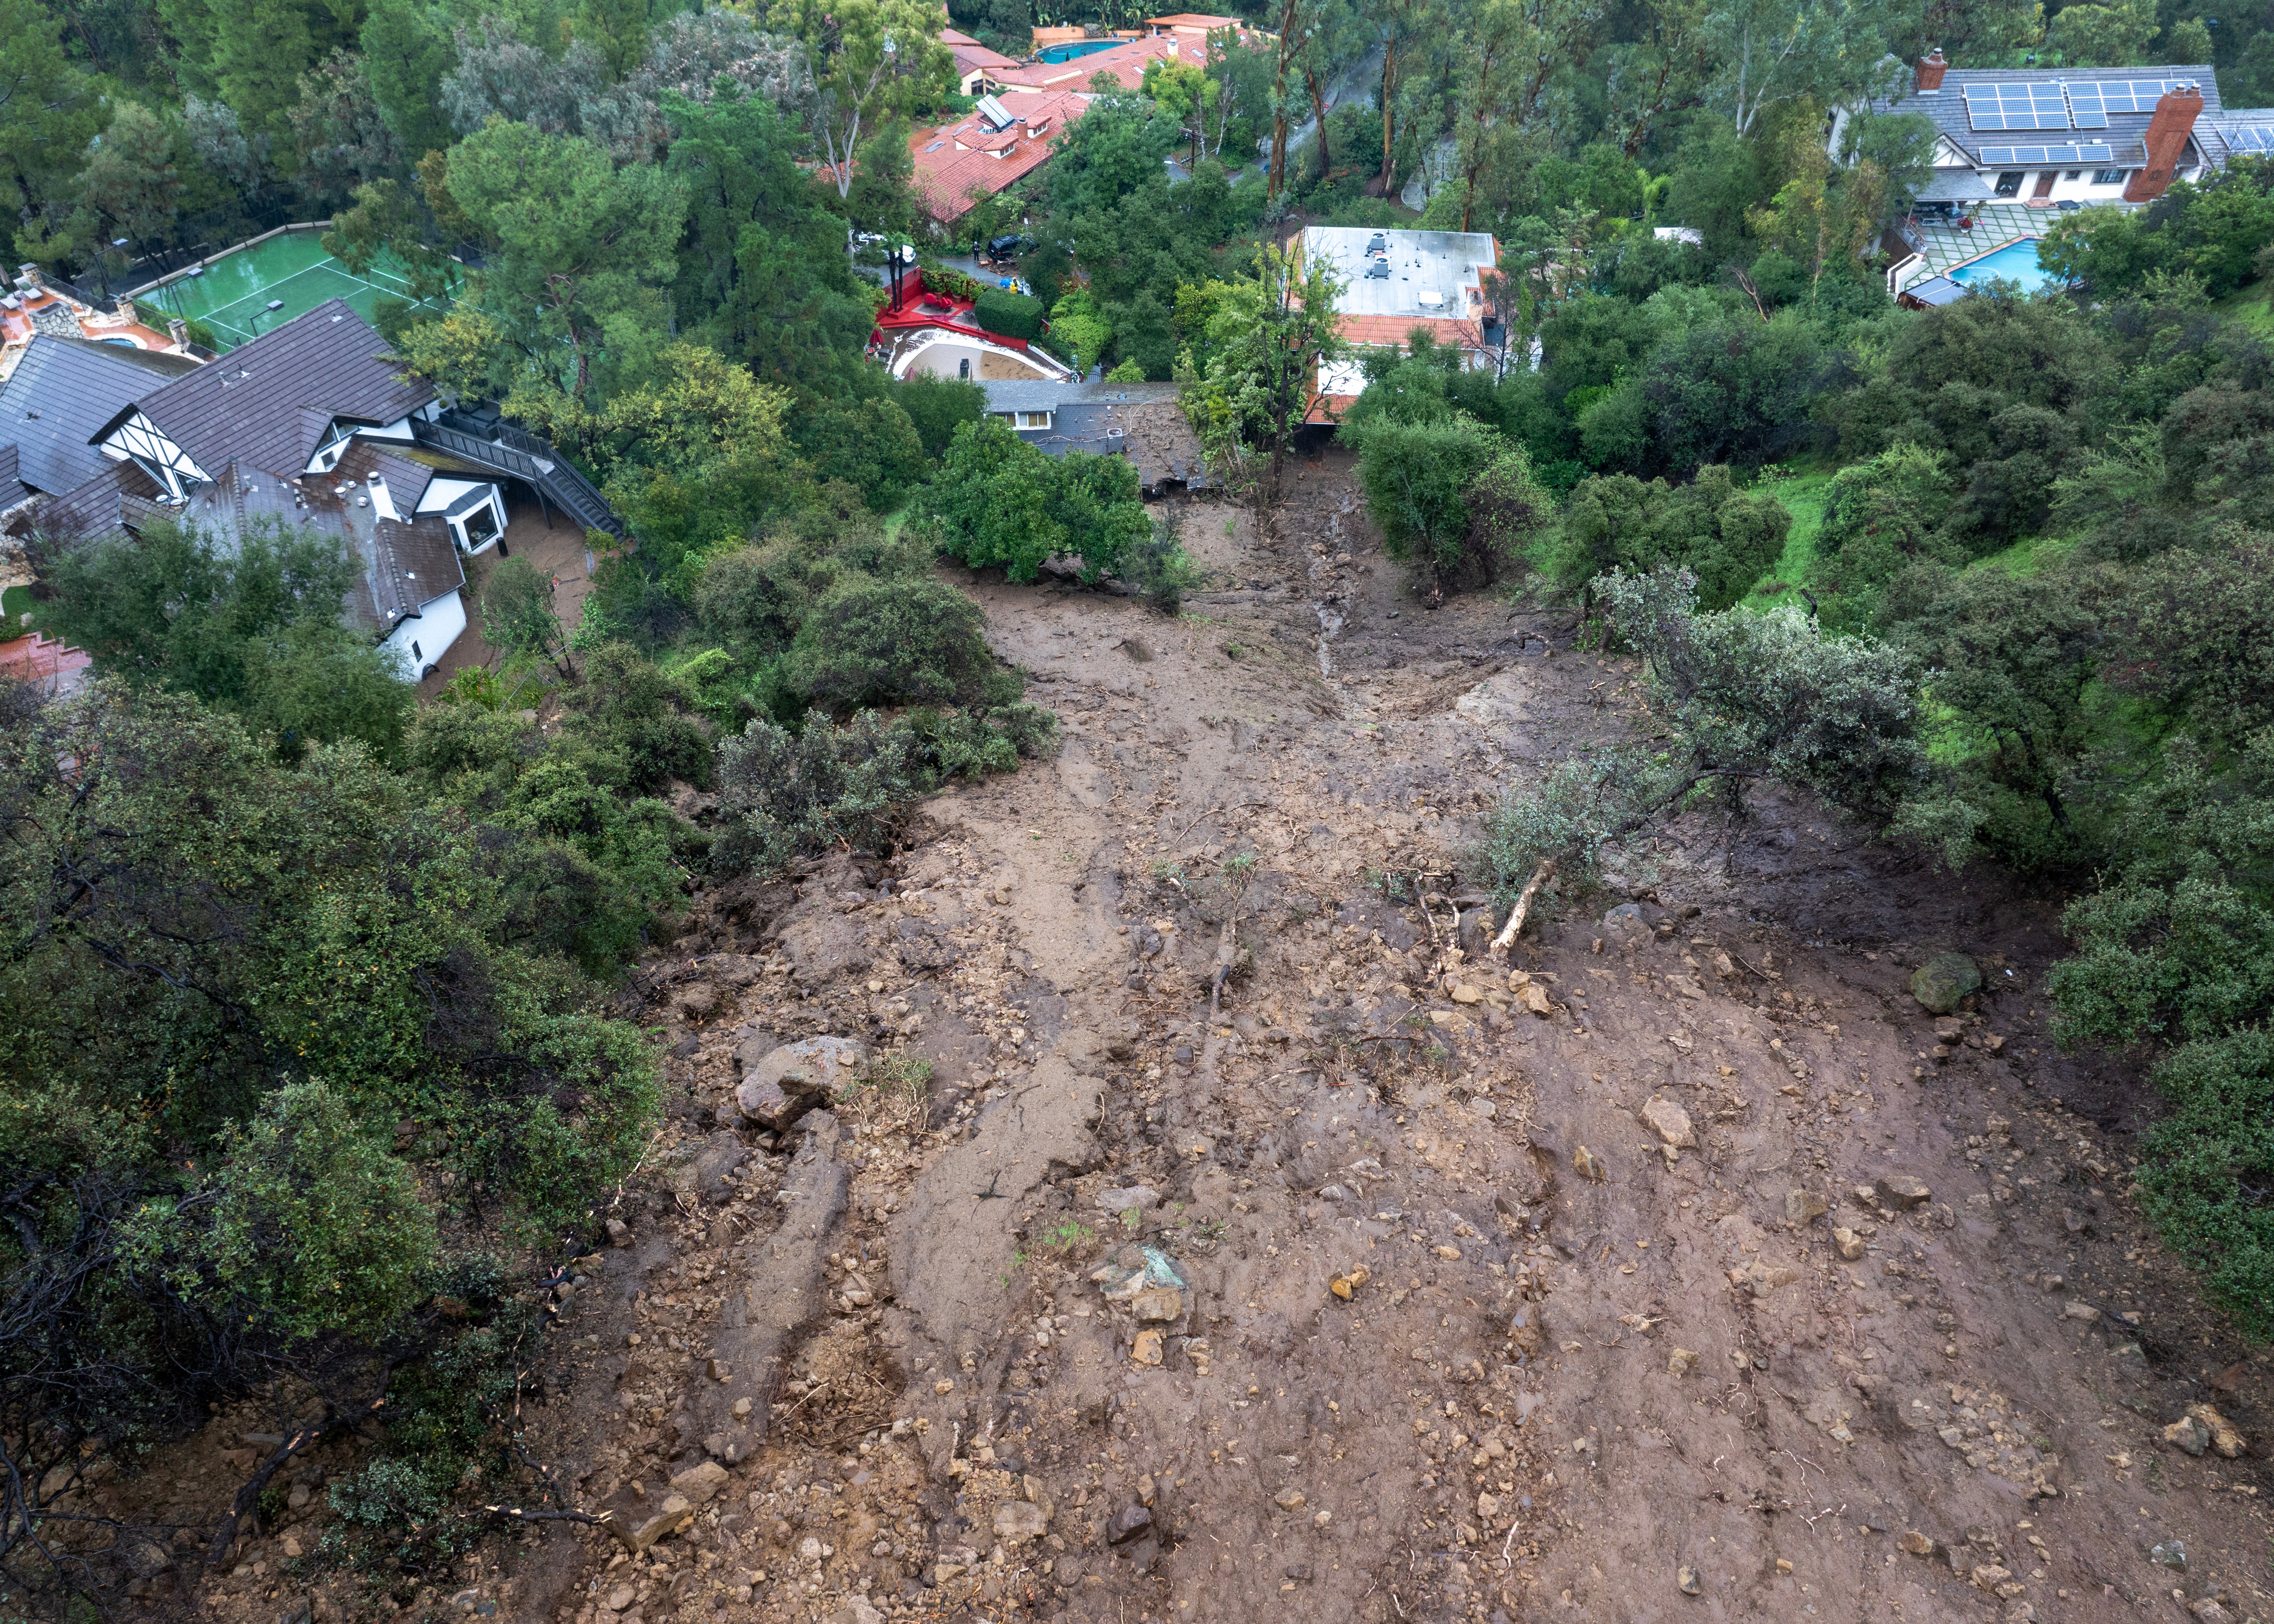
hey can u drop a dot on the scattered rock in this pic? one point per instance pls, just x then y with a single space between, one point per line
1589 1168
1127 1524
1147 1348
1532 996
637 1525
1346 1285
1289 1499
700 1483
2075 1309
1849 1242
1466 994
1802 1205
856 1609
783 1083
1161 1304
1902 1191
2224 1440
2187 1435
1943 981
1686 1580
2171 1553
1760 1278
1122 1200
1917 1544
1669 1121
1682 1362
1018 1521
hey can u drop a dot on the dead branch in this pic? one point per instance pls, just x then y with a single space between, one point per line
1498 951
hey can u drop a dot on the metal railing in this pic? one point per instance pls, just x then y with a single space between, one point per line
507 450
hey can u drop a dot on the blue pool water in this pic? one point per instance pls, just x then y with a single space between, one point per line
1078 48
2016 262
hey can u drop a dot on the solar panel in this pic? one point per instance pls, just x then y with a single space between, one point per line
2087 152
2115 95
2016 107
2088 107
2251 138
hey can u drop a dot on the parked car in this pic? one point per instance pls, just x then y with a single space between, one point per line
1004 247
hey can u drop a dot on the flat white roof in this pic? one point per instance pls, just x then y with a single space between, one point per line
1428 270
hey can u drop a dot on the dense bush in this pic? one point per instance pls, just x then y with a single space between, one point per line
1013 314
1725 537
999 501
236 978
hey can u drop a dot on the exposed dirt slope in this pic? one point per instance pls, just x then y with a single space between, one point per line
1860 1343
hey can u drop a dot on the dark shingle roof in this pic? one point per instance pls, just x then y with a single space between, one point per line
61 392
406 481
12 489
404 566
1946 107
1043 394
248 407
94 509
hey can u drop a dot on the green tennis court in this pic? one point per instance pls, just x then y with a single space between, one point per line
232 296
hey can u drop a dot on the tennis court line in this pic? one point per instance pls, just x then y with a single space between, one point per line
393 285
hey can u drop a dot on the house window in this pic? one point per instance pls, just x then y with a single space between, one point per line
2109 177
416 651
1034 420
963 368
2009 184
2073 175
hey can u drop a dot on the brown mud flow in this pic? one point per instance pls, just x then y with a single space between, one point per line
1684 1264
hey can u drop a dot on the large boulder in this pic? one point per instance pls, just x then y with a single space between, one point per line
1943 981
781 1083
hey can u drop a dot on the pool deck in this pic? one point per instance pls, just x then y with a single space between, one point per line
45 311
1942 245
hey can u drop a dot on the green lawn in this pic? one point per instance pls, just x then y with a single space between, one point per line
15 604
2253 305
1803 495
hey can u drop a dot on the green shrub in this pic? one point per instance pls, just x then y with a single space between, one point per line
999 501
1159 569
938 407
913 641
1725 537
1013 314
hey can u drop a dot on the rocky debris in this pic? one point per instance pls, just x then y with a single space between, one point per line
1159 1304
1804 1205
1127 1524
1850 1245
700 1484
1530 996
1017 1520
1682 1361
1138 1196
780 1084
1346 1285
638 1523
2074 1310
856 1609
2226 1443
1588 1166
1625 927
1685 1580
1901 1191
1669 1121
2187 1435
781 1288
1943 982
704 1168
1918 1544
1147 1348
1987 1429
1289 1499
1760 1279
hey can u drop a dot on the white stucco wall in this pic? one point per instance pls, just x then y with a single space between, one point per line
430 632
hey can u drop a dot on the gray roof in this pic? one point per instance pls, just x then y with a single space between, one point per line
1037 395
266 403
61 392
2124 132
114 498
12 489
1935 290
1150 430
404 564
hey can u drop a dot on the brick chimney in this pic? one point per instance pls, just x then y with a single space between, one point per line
179 330
1932 67
27 277
2174 121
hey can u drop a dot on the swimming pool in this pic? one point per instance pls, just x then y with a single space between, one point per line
232 296
2016 262
1077 48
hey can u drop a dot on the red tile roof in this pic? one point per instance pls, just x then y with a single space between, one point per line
1193 19
970 53
1390 331
955 160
